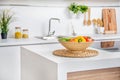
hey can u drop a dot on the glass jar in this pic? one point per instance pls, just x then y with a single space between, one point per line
18 34
25 33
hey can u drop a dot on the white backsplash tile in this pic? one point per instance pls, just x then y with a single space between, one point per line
36 19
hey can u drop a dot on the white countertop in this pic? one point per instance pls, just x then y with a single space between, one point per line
46 62
105 59
17 42
46 51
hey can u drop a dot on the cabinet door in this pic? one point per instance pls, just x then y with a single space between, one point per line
10 63
98 74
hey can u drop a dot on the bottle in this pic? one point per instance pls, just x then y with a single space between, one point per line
25 33
18 34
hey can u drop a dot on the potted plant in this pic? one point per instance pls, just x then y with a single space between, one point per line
74 8
5 20
77 9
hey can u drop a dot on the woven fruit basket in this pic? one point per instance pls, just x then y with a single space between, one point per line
76 47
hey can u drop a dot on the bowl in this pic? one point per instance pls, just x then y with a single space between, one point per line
75 46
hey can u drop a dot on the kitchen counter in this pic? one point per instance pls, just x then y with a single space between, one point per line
29 41
33 40
39 59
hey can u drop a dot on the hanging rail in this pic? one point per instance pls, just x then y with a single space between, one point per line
39 5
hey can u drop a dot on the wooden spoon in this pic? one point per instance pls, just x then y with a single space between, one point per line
89 21
94 21
85 21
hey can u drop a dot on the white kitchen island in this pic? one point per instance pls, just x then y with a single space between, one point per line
38 62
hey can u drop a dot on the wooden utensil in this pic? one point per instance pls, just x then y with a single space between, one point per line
94 21
89 21
85 21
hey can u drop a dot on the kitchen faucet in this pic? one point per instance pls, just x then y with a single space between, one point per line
49 31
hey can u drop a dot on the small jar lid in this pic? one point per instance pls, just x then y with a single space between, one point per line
17 27
25 29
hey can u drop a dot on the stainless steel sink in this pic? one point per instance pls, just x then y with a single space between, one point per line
46 37
50 37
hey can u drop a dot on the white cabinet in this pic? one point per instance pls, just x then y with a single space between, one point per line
10 63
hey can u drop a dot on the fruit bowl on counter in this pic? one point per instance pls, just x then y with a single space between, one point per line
76 47
76 43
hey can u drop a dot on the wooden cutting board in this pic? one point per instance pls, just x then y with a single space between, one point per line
110 25
109 21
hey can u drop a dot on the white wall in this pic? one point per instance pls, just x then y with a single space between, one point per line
36 19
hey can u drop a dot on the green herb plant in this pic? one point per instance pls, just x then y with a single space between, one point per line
5 20
75 8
